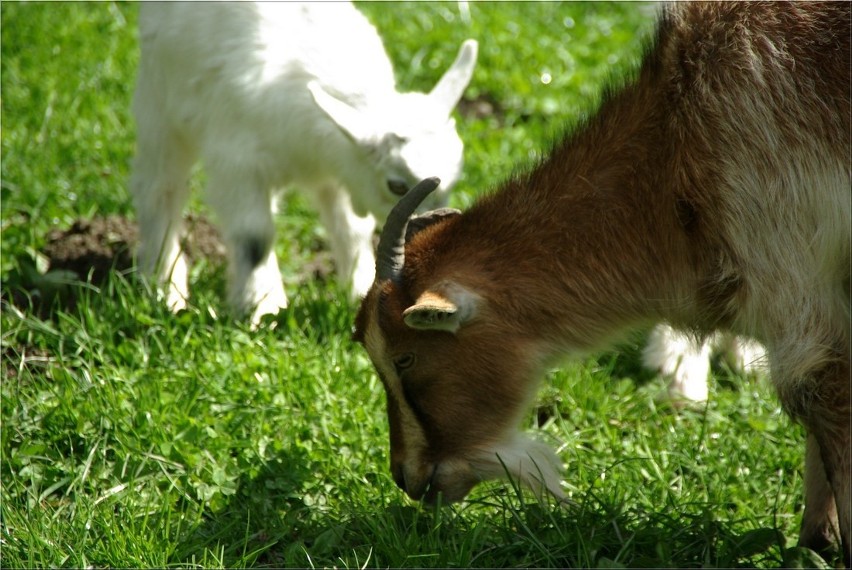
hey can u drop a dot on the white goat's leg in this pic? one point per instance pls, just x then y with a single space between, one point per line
159 187
682 359
351 238
246 213
742 354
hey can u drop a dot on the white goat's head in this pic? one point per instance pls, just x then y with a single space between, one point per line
405 137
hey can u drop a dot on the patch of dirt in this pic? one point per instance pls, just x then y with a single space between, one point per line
90 250
93 248
480 107
202 240
15 360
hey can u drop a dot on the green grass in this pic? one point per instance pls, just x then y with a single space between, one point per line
132 437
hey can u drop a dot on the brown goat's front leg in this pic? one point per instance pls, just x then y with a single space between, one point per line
819 523
834 446
828 465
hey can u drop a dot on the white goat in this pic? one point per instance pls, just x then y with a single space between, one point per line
713 192
269 95
685 359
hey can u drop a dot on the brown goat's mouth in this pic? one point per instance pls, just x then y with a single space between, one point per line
440 482
436 495
531 463
417 490
449 482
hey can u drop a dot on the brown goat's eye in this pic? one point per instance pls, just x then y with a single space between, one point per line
403 362
398 187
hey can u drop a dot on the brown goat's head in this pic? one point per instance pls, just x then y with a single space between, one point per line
457 379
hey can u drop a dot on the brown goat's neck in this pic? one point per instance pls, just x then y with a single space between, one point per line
589 241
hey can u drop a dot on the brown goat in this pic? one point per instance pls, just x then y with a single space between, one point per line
712 191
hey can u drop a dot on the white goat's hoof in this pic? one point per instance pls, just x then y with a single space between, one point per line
176 299
270 304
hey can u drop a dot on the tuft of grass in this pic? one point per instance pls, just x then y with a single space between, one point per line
133 437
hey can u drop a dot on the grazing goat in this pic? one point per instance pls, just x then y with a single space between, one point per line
273 94
712 191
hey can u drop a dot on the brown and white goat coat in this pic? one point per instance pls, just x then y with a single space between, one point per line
713 192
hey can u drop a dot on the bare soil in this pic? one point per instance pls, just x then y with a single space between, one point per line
90 250
95 247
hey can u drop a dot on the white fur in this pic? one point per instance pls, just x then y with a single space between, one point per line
685 360
271 95
530 462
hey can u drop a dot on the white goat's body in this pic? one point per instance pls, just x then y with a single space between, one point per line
712 192
257 90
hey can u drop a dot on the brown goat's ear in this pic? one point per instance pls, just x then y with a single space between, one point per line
445 308
420 222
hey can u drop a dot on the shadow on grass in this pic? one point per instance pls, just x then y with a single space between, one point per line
500 529
257 525
535 536
597 534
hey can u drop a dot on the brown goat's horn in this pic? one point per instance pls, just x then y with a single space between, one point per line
390 256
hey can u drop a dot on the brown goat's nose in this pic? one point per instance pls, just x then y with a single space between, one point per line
398 476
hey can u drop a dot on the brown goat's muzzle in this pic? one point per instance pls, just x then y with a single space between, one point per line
445 482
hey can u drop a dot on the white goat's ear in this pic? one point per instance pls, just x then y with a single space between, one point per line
347 117
445 308
450 87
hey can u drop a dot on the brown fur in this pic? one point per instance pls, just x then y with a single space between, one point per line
712 191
